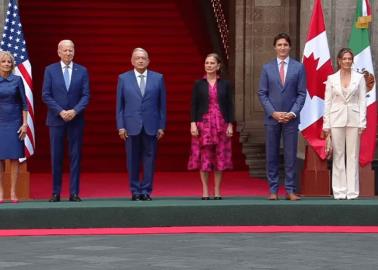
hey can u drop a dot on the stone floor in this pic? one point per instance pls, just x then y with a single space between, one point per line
191 251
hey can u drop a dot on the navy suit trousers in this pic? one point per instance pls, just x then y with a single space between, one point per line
289 134
74 133
141 149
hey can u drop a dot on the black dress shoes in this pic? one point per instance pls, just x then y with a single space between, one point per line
74 198
135 197
55 198
145 197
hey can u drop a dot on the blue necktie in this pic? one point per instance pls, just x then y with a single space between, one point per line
66 76
142 85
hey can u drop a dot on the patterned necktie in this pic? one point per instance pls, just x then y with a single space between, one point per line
142 85
66 76
282 72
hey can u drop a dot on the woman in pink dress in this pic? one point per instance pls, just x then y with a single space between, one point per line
211 126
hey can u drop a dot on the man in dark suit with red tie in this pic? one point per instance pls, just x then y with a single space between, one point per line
282 93
66 94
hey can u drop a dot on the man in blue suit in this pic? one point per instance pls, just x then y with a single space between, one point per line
141 120
282 93
66 94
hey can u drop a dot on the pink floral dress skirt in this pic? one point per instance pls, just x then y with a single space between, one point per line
211 150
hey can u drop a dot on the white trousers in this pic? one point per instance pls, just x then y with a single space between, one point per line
345 182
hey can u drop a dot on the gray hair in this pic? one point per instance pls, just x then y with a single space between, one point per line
140 50
60 44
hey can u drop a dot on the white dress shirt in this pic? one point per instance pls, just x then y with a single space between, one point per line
137 74
70 65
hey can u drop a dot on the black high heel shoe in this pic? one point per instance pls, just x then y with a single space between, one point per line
205 198
218 198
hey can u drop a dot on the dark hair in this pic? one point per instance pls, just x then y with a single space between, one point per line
218 59
280 36
341 53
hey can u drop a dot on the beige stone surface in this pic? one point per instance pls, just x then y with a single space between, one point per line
268 3
3 10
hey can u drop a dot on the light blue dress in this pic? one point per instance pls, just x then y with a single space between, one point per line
12 103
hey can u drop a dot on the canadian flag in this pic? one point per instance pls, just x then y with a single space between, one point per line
318 65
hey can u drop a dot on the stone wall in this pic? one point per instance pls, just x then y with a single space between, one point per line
3 10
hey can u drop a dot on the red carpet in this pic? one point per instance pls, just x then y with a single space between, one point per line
172 184
191 229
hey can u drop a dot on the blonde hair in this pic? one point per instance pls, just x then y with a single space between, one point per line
10 55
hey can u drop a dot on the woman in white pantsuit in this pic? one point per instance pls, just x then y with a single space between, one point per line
345 119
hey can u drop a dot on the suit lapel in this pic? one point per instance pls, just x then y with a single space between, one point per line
219 88
148 83
337 84
277 72
74 76
134 83
59 72
289 71
352 85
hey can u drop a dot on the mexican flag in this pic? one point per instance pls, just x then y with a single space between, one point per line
359 42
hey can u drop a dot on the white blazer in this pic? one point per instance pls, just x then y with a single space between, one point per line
345 111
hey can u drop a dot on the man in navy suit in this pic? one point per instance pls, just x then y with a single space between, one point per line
282 93
141 120
66 94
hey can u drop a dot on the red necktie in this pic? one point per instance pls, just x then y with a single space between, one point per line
282 72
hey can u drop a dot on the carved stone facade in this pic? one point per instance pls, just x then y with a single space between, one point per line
256 23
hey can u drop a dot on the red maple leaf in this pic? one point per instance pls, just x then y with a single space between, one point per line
316 77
